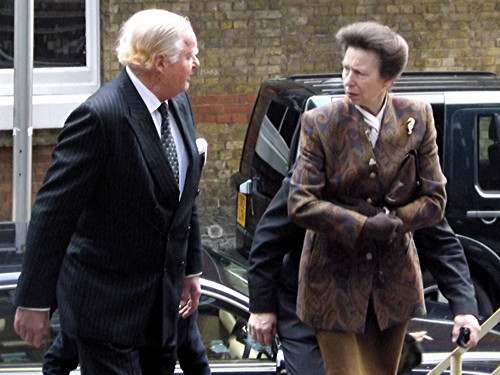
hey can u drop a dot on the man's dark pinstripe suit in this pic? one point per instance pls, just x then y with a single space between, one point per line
108 228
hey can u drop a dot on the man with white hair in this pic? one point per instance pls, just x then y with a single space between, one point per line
114 237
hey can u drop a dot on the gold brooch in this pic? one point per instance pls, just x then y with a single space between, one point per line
410 124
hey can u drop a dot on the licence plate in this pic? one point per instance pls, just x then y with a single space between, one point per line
241 213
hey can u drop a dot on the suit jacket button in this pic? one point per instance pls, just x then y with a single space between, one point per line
381 275
373 175
369 256
369 200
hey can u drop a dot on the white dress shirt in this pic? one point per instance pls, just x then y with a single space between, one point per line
152 103
373 123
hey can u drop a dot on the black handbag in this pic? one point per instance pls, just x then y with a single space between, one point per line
406 185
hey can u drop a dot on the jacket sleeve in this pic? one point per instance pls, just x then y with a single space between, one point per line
442 254
194 264
276 236
68 184
307 205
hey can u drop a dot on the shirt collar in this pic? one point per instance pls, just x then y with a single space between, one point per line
374 118
147 96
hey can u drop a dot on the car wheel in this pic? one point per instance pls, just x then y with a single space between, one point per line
432 293
431 290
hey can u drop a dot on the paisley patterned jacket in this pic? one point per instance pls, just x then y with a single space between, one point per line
340 273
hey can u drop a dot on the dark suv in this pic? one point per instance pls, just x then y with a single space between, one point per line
466 109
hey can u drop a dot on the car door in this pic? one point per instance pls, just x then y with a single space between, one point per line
269 144
222 321
471 163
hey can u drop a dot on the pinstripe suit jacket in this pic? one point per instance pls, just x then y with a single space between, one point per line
108 228
339 273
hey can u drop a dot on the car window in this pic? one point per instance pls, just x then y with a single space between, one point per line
272 150
320 100
271 146
488 153
223 329
217 266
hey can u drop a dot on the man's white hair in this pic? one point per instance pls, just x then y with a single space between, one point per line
150 32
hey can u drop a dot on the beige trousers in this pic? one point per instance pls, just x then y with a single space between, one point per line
373 352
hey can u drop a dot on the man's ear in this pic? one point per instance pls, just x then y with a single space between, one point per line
159 62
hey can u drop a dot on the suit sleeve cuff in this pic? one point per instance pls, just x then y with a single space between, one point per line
42 309
194 274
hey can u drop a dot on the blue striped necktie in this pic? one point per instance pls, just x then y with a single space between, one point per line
167 140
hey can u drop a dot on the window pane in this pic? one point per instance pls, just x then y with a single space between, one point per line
289 125
489 154
271 147
275 113
59 38
6 33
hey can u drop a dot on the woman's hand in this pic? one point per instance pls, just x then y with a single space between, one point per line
381 227
359 205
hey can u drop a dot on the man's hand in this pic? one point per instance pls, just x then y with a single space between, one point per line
31 325
191 292
262 327
467 321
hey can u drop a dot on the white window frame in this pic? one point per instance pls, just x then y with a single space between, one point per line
57 90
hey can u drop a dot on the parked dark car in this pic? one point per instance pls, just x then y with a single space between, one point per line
466 109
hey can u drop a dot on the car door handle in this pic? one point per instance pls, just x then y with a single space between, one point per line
487 217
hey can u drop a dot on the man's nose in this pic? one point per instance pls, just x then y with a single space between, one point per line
196 62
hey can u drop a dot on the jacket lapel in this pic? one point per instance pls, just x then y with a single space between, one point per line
143 126
393 143
179 109
393 132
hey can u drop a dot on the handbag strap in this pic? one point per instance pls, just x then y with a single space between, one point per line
417 170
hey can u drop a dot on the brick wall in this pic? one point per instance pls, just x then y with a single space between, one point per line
221 120
243 42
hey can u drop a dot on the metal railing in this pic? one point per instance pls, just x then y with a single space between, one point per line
454 360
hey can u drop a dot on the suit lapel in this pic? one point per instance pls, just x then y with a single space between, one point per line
393 143
179 109
393 132
143 126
